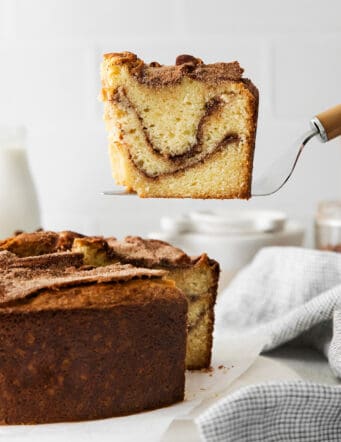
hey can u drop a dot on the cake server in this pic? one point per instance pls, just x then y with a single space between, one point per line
324 126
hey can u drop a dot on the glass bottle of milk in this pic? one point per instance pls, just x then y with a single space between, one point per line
19 208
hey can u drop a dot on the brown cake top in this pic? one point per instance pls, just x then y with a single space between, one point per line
157 75
147 252
39 243
132 249
21 277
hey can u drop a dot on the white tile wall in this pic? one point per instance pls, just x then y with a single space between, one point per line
42 85
310 69
6 22
2 21
262 16
69 19
50 52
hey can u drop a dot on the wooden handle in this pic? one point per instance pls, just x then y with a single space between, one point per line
331 121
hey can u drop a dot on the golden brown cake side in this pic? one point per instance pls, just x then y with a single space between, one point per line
180 131
196 277
93 348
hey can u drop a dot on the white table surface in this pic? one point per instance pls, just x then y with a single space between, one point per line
264 369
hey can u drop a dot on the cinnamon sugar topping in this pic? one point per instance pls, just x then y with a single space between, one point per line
21 277
147 253
156 75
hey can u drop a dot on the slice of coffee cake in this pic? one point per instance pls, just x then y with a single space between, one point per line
184 131
197 277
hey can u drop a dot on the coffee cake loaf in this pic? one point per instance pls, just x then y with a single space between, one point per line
82 343
197 277
182 131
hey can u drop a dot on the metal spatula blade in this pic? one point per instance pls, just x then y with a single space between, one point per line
278 173
325 126
118 192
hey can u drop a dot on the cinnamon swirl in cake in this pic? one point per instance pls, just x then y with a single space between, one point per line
182 131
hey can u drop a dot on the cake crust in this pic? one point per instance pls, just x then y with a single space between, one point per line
39 243
155 75
147 253
58 270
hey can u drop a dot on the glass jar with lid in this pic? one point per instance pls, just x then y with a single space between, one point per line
328 226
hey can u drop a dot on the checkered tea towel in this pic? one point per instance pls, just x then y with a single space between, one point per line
286 294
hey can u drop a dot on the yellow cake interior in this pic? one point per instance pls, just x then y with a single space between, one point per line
196 283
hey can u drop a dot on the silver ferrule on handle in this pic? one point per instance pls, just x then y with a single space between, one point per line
321 133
